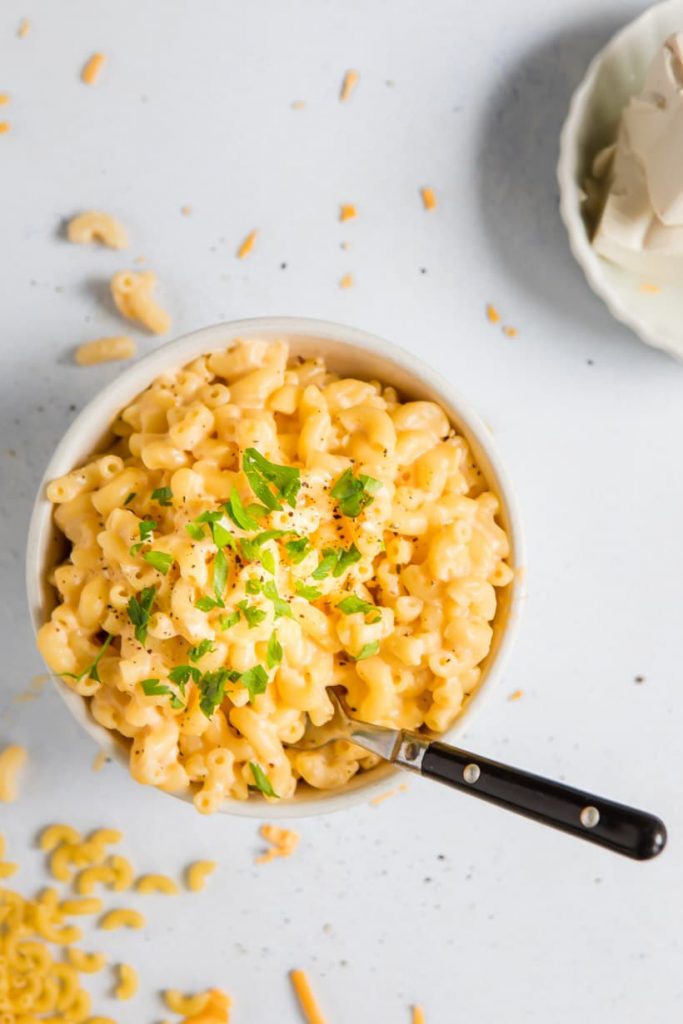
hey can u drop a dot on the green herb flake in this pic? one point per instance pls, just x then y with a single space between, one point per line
159 560
146 528
280 606
226 621
274 651
309 593
238 513
297 549
130 498
255 680
139 609
164 495
354 493
212 690
253 586
220 575
352 604
202 648
263 475
345 559
261 780
181 675
91 671
267 560
195 530
257 511
366 651
326 564
254 616
206 603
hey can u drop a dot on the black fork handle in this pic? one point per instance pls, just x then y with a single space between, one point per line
622 829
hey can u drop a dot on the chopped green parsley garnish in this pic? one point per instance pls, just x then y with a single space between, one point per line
91 671
130 498
352 604
155 688
255 680
202 648
261 780
145 529
309 593
238 512
220 575
164 495
139 609
297 549
253 615
263 476
226 621
336 561
280 606
160 560
366 651
354 493
274 651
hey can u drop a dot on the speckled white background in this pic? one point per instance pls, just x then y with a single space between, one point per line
429 897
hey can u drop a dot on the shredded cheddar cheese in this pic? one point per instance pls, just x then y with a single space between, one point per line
4 98
93 68
186 210
347 211
492 314
650 288
349 83
510 332
99 761
4 127
24 28
418 1015
247 245
346 281
307 1001
516 695
428 198
381 797
298 105
283 842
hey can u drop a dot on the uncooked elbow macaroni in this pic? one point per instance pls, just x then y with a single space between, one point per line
260 531
12 761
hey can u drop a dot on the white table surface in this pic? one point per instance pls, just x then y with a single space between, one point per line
430 897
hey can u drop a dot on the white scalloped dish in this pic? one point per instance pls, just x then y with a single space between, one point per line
655 314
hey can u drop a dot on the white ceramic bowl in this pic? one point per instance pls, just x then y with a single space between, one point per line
348 351
614 75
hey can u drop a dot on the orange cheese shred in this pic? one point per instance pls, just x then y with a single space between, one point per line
418 1015
24 28
307 1001
284 842
428 198
510 332
347 211
346 281
351 79
516 695
492 314
4 98
247 245
649 288
4 127
93 68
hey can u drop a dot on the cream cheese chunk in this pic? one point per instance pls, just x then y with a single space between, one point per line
641 224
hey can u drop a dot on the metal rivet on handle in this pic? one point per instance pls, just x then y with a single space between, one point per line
471 773
410 751
589 817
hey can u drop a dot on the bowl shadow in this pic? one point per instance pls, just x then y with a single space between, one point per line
517 155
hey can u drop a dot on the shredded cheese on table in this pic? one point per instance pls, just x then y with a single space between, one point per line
4 127
347 211
24 28
247 245
492 314
307 1001
516 695
418 1015
428 198
283 842
12 760
93 68
510 332
381 797
346 281
351 79
4 98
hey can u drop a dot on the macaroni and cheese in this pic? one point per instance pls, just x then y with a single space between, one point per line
258 531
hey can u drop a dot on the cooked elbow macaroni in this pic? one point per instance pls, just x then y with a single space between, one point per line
95 226
12 760
132 293
105 350
259 531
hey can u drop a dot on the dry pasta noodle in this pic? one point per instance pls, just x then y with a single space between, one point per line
260 531
197 873
93 68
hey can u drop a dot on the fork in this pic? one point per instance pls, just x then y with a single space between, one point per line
623 829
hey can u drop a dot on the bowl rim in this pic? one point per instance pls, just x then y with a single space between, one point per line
104 405
570 207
